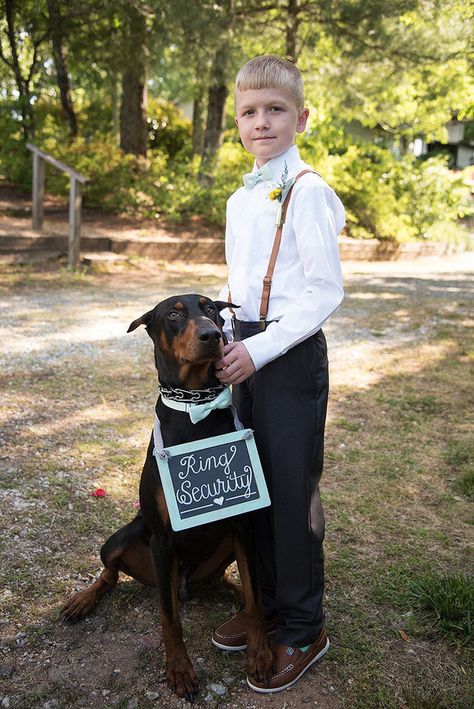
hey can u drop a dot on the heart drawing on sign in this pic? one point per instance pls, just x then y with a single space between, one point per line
218 500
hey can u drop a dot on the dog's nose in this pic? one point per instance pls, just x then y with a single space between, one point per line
209 335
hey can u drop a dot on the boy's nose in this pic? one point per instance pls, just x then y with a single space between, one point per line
262 121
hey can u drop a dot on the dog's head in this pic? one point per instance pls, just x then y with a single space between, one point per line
187 335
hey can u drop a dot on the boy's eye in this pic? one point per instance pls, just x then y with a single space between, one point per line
274 109
248 112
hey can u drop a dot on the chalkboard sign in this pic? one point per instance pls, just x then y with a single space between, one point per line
212 478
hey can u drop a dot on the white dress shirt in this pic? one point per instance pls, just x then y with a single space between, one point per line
307 280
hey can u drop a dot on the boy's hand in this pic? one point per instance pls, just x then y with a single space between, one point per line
236 365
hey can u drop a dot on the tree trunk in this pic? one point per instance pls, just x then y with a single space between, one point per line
59 53
133 110
291 30
216 99
198 117
115 91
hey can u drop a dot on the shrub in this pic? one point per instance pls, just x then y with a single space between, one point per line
168 131
233 162
402 200
360 176
384 198
429 192
15 160
117 182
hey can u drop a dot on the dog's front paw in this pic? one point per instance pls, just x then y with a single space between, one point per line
260 662
182 679
79 605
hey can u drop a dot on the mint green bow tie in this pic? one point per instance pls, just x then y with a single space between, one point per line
250 179
197 412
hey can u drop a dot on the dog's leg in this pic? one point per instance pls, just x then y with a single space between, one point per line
117 555
259 654
179 671
82 603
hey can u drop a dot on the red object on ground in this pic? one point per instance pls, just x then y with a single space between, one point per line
100 492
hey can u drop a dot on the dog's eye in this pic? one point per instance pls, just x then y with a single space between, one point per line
173 315
210 310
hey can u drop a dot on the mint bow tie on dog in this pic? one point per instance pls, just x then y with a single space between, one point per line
198 412
250 179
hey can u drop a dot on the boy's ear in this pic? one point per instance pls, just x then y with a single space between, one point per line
302 120
236 121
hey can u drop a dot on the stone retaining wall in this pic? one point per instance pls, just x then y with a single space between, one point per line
375 250
212 250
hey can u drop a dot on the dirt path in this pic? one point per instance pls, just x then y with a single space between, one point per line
77 393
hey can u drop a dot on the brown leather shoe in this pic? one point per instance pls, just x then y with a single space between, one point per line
290 663
232 635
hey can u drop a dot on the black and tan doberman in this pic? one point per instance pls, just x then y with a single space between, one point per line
187 338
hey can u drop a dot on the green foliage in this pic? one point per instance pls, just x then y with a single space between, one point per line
390 199
168 131
396 66
360 176
233 161
460 457
384 198
446 602
15 160
442 602
429 192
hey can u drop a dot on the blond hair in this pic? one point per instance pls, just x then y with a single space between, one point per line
271 72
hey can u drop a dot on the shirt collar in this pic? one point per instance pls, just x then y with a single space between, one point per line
277 164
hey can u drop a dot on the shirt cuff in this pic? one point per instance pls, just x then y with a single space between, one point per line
227 327
261 348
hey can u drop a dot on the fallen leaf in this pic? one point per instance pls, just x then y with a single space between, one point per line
404 636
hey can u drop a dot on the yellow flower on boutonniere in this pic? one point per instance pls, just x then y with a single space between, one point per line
280 193
275 194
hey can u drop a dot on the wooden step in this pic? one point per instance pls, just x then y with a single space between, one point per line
14 243
172 249
32 257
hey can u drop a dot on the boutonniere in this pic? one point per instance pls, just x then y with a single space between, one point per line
280 193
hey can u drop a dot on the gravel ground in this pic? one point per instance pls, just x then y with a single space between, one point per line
47 327
90 316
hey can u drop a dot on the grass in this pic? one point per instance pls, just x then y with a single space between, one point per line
460 456
446 603
396 489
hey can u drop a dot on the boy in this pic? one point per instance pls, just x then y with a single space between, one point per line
277 361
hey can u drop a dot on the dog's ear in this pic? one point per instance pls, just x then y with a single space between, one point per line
222 304
143 320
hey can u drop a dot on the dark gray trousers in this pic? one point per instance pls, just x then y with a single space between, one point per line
285 404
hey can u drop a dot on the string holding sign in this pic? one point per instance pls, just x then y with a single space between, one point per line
211 478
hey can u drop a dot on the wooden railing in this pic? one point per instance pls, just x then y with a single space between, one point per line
75 199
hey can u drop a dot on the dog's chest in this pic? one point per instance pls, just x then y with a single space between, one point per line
198 544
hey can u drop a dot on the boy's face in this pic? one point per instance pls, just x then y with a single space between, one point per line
267 120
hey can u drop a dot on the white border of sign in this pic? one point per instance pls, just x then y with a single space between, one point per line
178 522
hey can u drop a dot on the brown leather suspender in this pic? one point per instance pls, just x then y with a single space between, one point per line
267 280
